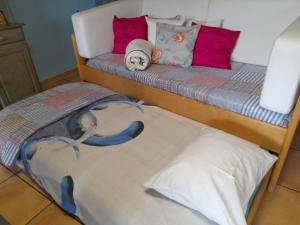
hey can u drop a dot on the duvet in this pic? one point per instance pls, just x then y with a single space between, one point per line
95 160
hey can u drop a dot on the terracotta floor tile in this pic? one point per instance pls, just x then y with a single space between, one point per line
31 182
290 176
19 202
53 216
281 207
4 173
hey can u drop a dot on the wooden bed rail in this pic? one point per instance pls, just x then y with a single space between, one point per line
274 138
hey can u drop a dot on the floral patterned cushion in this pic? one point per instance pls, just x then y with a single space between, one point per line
174 45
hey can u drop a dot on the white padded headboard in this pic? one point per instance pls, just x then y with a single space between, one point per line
260 21
168 8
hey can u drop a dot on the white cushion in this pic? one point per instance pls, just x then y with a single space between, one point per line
281 85
216 175
178 20
211 23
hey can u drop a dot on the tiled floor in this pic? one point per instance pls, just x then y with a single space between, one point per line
283 206
23 202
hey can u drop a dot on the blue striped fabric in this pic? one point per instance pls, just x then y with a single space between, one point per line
237 90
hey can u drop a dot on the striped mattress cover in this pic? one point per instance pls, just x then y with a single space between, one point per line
237 90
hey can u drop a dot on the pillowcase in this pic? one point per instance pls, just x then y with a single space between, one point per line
216 175
211 23
174 45
126 30
178 20
214 47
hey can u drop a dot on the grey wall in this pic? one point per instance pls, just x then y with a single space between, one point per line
48 28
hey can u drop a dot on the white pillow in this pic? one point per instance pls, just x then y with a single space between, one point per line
178 20
211 23
215 175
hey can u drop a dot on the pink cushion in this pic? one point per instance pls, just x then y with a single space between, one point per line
126 30
214 47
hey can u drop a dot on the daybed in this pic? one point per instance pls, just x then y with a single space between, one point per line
261 24
74 140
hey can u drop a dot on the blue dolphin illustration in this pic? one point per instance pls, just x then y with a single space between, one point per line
67 198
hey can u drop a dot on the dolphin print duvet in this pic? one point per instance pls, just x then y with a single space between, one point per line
95 160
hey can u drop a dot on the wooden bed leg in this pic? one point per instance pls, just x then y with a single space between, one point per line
285 148
80 60
278 168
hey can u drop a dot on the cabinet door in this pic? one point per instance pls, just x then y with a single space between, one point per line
17 74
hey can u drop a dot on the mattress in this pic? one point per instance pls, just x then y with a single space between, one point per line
237 90
94 165
104 184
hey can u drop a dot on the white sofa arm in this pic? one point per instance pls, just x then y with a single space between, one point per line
281 86
93 27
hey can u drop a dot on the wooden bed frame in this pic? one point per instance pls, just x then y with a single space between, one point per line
274 138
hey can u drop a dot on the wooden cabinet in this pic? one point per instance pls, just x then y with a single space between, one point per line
18 79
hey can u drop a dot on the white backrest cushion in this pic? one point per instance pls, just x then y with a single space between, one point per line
281 85
152 22
260 21
169 8
94 30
